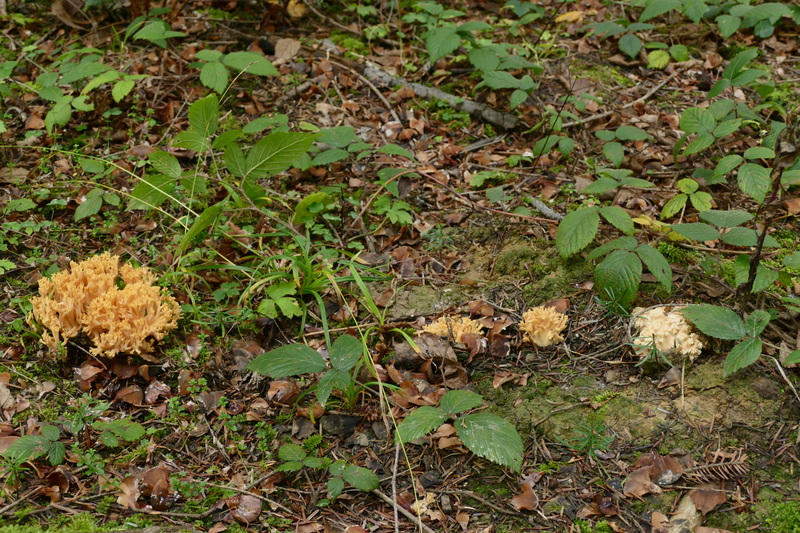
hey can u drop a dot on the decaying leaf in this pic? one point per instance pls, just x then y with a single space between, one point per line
526 499
244 508
707 500
638 483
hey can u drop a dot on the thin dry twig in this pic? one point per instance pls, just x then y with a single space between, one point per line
403 510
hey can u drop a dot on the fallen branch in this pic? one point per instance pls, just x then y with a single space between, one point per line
501 121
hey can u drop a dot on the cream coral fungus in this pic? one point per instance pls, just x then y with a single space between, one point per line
85 299
666 330
542 326
447 326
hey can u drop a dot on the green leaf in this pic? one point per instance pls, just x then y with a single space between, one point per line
759 152
500 79
312 205
790 178
630 45
209 55
679 52
718 87
204 115
747 76
291 466
657 264
702 201
793 260
700 143
192 140
419 423
738 63
658 7
697 231
214 75
673 206
156 32
727 25
577 230
517 98
726 219
234 160
632 133
442 41
335 487
697 120
622 243
793 358
742 355
723 129
338 137
106 77
206 219
121 89
740 237
657 59
83 70
635 182
765 277
492 438
329 156
754 180
289 360
484 59
165 163
361 478
345 352
458 401
251 63
727 163
90 206
277 152
618 217
715 321
601 185
615 153
59 115
694 10
395 149
618 276
291 452
226 139
151 192
755 323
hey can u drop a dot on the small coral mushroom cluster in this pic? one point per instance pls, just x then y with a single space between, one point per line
86 299
541 326
667 331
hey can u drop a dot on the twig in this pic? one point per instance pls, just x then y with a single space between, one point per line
644 98
403 510
260 497
785 378
484 501
395 467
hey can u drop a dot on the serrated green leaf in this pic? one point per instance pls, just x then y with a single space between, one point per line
361 478
697 231
635 182
700 143
718 87
632 133
106 77
694 10
458 401
492 438
601 185
192 140
747 76
335 487
577 230
655 8
277 152
754 180
742 355
289 360
679 52
312 205
615 153
204 115
723 129
715 321
419 423
657 264
622 243
726 219
90 206
214 75
121 89
59 115
209 55
500 79
517 98
291 452
702 201
657 59
740 237
759 152
251 63
345 352
618 217
738 62
165 163
291 466
395 149
793 260
727 163
442 41
151 192
755 323
484 59
618 276
630 45
793 358
697 120
727 25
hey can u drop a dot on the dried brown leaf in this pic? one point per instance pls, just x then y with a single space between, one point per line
244 507
638 483
526 499
707 500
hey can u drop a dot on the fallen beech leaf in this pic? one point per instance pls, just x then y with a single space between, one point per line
123 368
129 493
526 500
672 377
659 522
244 507
638 483
707 500
463 520
156 487
287 48
131 394
156 390
283 392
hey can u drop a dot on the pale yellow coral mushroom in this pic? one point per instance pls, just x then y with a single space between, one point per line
456 327
542 326
85 299
667 331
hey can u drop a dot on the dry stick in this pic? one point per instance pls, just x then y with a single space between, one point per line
403 510
786 379
395 468
484 501
502 121
644 98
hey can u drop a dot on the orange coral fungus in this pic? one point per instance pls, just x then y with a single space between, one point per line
86 299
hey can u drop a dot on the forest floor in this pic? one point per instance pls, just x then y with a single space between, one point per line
405 209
